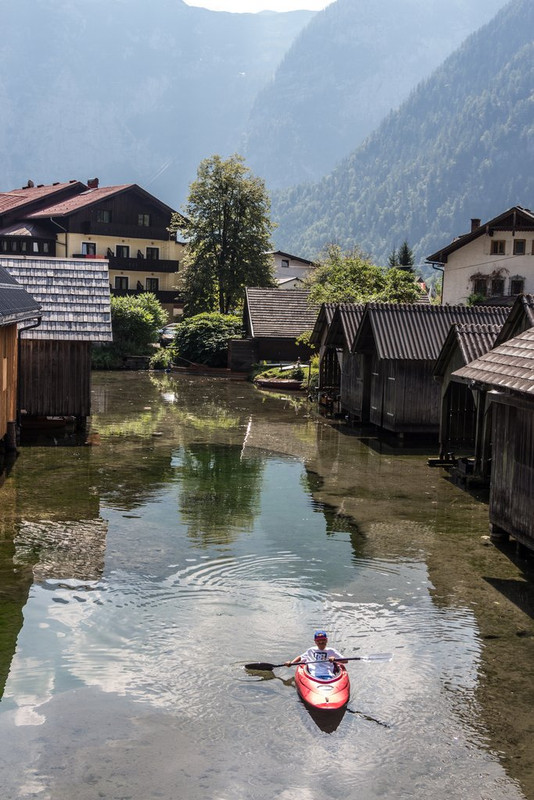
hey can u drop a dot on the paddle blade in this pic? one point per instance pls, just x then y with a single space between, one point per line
261 665
377 657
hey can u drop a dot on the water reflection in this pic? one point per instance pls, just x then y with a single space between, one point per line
204 525
219 491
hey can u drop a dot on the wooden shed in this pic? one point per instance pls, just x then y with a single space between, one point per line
400 344
55 358
342 332
464 426
274 319
506 374
17 306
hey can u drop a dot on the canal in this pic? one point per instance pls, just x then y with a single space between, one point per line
204 524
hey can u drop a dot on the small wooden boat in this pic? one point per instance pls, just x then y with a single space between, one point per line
324 695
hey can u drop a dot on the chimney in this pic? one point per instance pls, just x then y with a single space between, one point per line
92 183
475 223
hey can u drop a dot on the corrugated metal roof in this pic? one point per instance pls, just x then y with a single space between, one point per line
414 332
323 321
475 339
345 324
73 293
16 304
279 314
520 318
509 366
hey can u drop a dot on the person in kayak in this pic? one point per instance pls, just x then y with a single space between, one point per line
320 658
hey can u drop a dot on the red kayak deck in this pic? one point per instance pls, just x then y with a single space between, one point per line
326 695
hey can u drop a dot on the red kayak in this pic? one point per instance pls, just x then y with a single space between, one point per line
324 695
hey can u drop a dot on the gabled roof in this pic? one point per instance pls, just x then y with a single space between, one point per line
516 218
471 339
73 294
278 314
324 320
292 258
16 304
520 318
509 366
345 323
92 196
415 332
29 195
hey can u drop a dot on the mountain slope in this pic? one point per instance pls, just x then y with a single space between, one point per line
352 64
129 91
461 146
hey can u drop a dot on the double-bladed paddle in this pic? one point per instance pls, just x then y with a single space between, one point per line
265 666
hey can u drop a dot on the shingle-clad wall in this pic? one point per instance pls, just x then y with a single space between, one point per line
73 293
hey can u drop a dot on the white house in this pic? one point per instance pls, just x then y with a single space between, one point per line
289 271
494 260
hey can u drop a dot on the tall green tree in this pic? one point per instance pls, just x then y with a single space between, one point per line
405 259
350 277
226 223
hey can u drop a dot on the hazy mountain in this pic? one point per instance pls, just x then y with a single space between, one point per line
461 146
129 91
352 64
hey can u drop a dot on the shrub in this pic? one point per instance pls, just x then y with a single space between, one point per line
204 338
162 358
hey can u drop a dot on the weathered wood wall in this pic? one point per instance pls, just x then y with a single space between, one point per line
353 386
55 378
404 396
512 477
8 377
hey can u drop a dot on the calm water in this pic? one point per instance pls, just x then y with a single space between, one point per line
205 524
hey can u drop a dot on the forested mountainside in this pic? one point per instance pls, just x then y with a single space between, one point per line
461 146
352 64
129 91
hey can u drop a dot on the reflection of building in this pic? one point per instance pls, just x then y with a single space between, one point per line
495 259
125 225
65 550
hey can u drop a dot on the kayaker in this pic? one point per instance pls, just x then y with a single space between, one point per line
320 658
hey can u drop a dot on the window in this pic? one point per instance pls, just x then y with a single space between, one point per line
285 262
103 215
89 248
122 251
4 245
121 282
498 247
46 247
517 285
152 253
520 247
479 286
14 245
35 247
143 220
497 287
152 284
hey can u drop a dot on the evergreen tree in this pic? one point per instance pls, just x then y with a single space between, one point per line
405 257
227 226
393 259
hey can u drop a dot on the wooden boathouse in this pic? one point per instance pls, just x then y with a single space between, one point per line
17 307
464 428
506 375
55 358
351 385
399 345
273 319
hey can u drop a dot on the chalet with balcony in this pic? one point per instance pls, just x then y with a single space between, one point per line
17 309
123 225
494 261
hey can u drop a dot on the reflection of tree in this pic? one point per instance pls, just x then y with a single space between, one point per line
219 491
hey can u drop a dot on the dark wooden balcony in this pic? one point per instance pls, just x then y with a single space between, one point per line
163 296
136 264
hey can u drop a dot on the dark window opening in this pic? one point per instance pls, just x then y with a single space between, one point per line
152 253
121 282
520 247
498 247
479 286
497 287
122 251
103 215
152 284
89 248
517 285
143 220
